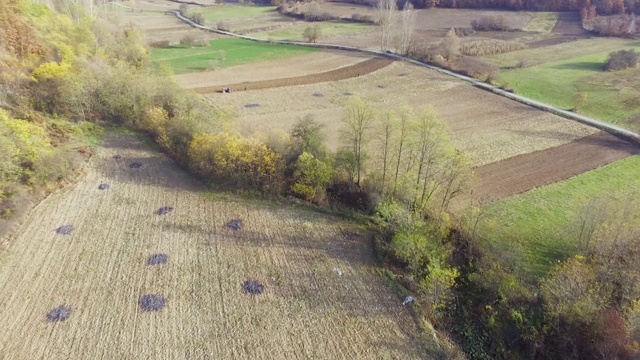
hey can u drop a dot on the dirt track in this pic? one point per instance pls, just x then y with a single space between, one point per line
347 72
525 172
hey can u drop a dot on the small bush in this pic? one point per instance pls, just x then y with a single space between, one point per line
490 23
223 26
188 40
623 59
198 18
159 44
183 9
489 47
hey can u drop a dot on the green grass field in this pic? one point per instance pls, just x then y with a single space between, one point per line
560 72
328 28
230 12
223 53
542 22
531 231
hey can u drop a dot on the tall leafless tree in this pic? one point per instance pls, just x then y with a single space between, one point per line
407 20
386 11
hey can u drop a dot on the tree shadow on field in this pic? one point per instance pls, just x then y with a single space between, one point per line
303 246
582 66
156 169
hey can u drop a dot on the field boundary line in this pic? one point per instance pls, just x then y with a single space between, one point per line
615 130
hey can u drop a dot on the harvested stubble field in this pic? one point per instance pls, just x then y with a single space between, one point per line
313 63
100 273
486 127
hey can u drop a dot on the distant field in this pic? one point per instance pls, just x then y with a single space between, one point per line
223 53
214 14
328 28
561 71
532 230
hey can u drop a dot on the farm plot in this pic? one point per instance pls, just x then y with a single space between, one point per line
361 68
151 269
486 133
313 63
157 25
222 53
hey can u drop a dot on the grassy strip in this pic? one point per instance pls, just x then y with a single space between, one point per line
565 51
328 28
223 53
533 230
542 22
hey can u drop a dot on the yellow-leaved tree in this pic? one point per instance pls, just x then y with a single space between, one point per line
230 158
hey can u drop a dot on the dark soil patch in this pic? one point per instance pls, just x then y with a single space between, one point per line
64 229
152 302
61 313
135 165
252 287
157 259
103 186
569 23
235 224
317 94
164 210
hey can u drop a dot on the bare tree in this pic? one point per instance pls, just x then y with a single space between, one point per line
386 11
385 136
312 33
450 45
358 122
429 137
408 20
403 129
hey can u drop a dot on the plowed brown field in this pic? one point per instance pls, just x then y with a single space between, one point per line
322 298
525 172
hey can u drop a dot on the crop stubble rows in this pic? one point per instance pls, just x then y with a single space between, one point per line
100 271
